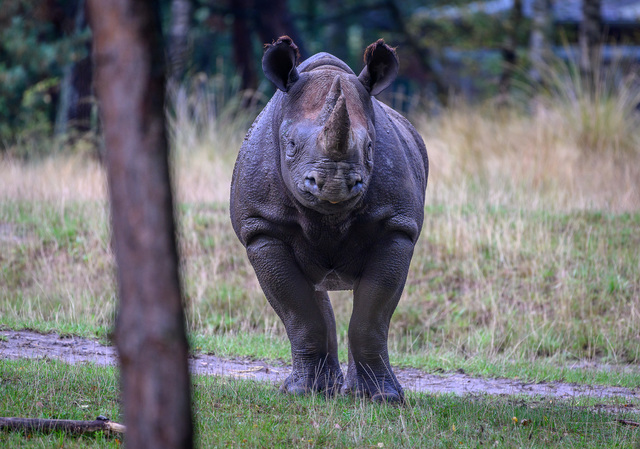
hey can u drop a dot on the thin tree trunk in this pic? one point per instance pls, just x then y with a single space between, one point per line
150 330
75 104
336 31
590 29
509 55
421 53
241 37
540 40
62 112
273 20
179 38
81 105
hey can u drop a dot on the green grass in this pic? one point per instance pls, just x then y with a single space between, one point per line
55 267
498 291
234 413
527 267
54 390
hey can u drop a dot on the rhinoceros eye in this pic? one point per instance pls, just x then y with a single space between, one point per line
369 153
292 149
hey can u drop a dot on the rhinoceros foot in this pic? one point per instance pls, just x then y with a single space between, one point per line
382 389
321 380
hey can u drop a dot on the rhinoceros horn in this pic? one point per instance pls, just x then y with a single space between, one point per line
335 116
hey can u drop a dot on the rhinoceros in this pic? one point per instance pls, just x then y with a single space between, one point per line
328 193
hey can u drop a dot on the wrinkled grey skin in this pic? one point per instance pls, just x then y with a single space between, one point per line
328 194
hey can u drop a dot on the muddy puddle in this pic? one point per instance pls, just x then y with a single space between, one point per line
27 344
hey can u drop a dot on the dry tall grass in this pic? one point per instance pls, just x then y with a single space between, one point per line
498 158
55 180
527 161
527 249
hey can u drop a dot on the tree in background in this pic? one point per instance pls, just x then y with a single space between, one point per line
35 47
178 51
270 19
420 51
540 39
336 30
509 52
589 37
75 104
150 324
242 43
214 47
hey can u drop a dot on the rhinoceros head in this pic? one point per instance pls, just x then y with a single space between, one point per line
326 125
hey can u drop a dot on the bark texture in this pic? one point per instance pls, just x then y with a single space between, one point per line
590 35
179 38
540 41
76 104
241 33
274 20
509 54
150 331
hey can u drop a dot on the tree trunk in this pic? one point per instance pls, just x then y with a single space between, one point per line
179 39
590 29
241 37
509 54
422 53
273 20
81 104
75 104
150 330
540 41
336 31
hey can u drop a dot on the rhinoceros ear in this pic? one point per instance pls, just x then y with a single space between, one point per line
381 67
279 63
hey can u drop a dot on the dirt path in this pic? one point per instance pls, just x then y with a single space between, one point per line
27 344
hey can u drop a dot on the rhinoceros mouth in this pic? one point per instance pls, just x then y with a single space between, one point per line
329 207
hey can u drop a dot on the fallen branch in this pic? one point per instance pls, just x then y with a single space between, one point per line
629 423
65 425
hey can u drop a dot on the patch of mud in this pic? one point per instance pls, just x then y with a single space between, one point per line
27 344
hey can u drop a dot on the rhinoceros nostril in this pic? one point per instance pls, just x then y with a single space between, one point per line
312 182
355 182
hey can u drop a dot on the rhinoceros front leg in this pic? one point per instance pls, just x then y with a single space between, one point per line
376 296
307 316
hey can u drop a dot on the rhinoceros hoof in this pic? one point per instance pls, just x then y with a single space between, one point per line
382 391
388 397
328 383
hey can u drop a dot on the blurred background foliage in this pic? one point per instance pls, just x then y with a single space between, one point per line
38 41
475 50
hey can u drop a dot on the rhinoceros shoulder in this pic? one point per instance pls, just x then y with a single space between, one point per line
412 142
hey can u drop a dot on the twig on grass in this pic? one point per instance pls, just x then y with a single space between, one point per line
66 425
629 423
